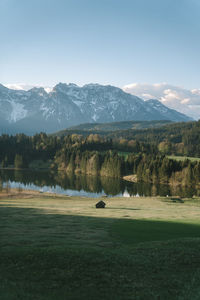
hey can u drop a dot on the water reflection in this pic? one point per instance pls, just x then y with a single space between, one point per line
72 184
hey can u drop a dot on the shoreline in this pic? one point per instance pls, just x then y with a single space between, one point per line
30 193
130 178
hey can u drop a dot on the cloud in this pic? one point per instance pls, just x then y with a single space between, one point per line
25 87
183 100
18 86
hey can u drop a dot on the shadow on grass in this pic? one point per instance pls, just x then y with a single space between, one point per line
49 256
36 227
136 231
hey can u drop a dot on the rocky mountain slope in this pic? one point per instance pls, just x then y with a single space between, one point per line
68 105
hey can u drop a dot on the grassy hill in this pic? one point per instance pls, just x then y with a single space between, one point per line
59 247
182 158
105 128
120 125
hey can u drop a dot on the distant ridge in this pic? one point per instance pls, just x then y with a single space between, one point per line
113 126
108 128
69 105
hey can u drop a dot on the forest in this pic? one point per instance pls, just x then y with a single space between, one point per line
172 139
106 156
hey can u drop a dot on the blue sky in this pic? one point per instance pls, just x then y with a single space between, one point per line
114 42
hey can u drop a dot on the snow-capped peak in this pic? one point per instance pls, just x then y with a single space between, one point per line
69 104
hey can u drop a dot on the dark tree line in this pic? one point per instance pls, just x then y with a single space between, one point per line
20 149
160 169
97 155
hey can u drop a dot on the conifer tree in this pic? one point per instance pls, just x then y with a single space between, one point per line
18 162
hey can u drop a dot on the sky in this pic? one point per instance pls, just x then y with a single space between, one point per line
116 42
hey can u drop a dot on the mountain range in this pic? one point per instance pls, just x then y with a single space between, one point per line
68 105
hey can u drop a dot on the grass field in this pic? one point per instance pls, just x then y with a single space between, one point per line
124 154
181 158
59 247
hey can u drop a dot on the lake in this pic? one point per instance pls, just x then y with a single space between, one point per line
89 186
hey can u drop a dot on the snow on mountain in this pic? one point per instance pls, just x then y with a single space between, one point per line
67 105
18 112
166 112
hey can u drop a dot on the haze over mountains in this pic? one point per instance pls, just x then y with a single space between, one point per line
67 105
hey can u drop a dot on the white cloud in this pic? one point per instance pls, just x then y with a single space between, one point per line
196 92
183 100
19 86
25 87
147 96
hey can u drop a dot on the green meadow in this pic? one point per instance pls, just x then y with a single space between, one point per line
60 247
182 158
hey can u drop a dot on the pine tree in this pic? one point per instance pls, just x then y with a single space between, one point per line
18 162
4 163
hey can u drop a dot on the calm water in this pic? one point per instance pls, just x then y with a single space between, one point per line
90 186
